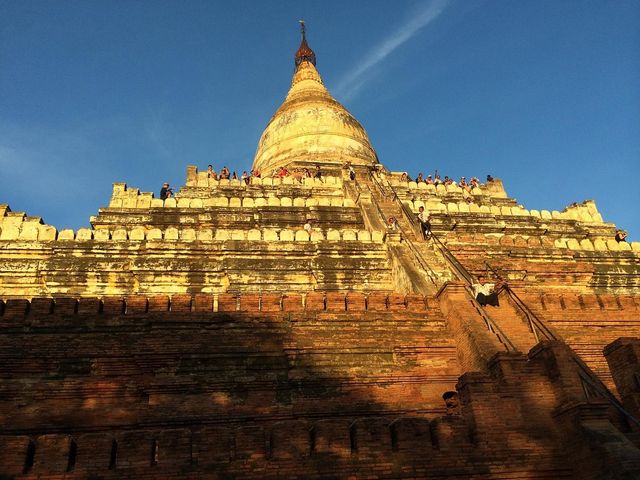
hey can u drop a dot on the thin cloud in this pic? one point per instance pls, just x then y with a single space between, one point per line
156 130
42 155
354 80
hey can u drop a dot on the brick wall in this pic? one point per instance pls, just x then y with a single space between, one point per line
283 385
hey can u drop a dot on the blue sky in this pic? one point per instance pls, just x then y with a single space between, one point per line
543 94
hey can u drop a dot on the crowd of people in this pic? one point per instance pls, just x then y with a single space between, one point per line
437 180
226 174
298 174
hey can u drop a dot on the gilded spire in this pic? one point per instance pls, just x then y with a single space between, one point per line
311 127
304 53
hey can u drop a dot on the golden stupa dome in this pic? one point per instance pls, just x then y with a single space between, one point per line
311 128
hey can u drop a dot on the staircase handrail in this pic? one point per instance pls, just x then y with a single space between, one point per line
537 325
490 323
423 264
356 187
379 185
409 216
461 272
459 269
586 374
604 392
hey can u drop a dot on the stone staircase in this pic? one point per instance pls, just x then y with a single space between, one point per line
426 252
508 317
433 257
513 324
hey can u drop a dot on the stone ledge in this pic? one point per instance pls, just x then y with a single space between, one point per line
120 202
579 213
203 181
48 233
534 241
284 441
210 303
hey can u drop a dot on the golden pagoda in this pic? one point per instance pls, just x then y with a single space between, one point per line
311 127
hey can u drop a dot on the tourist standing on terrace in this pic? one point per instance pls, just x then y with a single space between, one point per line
165 191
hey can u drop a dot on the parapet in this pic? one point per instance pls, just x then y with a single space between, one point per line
585 212
149 449
494 188
315 301
19 226
134 199
201 179
31 230
597 244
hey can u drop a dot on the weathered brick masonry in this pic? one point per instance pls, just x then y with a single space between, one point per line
269 386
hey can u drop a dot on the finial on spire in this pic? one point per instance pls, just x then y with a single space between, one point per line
304 53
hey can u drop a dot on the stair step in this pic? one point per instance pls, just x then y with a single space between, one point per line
512 324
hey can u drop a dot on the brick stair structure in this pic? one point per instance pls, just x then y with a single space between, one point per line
513 323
